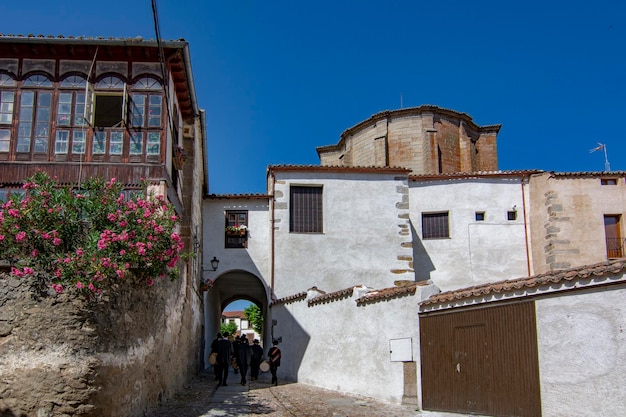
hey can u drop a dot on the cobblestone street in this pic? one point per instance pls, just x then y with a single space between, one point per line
202 398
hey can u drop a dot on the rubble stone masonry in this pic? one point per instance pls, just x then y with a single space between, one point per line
62 356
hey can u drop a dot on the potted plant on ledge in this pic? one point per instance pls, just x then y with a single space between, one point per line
237 230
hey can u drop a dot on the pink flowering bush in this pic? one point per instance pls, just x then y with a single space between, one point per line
91 238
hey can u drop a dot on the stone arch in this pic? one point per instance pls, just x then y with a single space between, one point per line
229 286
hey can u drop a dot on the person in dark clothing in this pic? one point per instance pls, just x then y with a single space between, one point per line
214 350
274 359
255 359
243 358
235 343
224 351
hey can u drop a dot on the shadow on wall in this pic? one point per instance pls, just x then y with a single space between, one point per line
293 341
422 264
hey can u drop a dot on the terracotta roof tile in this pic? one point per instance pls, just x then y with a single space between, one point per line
386 294
549 278
589 174
338 168
331 296
477 174
233 314
289 299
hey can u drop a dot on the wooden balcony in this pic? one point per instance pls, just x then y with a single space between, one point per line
14 173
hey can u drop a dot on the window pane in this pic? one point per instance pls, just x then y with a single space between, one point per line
435 226
147 84
115 143
37 81
7 81
74 81
61 141
79 110
99 143
5 140
78 142
136 143
25 124
153 146
42 126
305 210
6 107
110 83
154 111
138 106
64 109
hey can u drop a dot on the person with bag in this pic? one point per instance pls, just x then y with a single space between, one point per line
255 360
274 355
213 355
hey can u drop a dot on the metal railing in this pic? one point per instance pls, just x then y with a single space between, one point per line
615 247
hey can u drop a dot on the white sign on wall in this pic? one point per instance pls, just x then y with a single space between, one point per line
401 350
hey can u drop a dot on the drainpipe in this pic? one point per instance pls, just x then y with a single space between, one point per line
273 180
528 266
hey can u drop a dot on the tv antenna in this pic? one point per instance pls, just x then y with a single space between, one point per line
602 147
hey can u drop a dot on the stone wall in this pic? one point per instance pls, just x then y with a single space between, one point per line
61 355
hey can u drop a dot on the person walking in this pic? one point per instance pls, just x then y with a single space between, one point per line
274 355
255 359
224 354
214 352
235 343
243 358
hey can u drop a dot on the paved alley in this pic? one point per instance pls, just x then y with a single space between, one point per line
202 398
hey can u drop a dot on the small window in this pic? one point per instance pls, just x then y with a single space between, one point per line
511 215
305 210
435 226
236 229
608 181
480 216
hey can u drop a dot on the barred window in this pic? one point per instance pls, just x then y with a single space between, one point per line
435 225
305 210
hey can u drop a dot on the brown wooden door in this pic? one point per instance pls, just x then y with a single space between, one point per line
481 361
612 227
470 386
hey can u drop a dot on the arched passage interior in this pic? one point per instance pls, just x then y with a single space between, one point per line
229 286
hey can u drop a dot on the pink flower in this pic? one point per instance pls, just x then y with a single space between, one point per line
120 273
80 285
122 252
56 241
79 252
20 236
92 287
28 271
58 288
16 272
150 282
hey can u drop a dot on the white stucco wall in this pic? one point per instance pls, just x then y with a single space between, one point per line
476 252
256 257
362 240
350 352
582 353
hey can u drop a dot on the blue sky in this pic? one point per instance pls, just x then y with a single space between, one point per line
279 78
